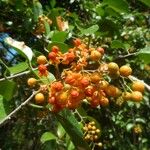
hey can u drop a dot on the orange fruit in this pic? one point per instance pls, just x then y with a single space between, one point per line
125 71
95 55
41 60
113 67
95 77
136 96
112 91
126 95
39 98
104 101
138 86
31 81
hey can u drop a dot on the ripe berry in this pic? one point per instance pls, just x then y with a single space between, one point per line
84 82
95 55
112 91
136 96
101 50
52 100
125 71
41 60
113 67
57 86
62 98
39 98
42 70
55 49
89 91
104 101
52 56
70 56
31 81
95 77
138 86
103 84
126 96
74 93
77 42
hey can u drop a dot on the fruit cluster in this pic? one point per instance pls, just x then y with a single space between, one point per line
85 79
92 133
40 28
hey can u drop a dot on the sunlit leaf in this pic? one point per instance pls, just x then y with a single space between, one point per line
20 47
72 127
18 68
47 136
144 54
118 5
2 109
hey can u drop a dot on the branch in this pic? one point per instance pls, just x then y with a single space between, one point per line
19 74
18 108
145 84
128 55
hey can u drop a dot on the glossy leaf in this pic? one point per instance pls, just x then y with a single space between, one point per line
18 68
2 109
59 36
90 30
72 127
20 47
146 2
7 89
47 136
37 9
117 44
60 131
118 5
63 47
47 80
144 54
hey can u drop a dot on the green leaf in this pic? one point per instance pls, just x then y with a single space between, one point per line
60 131
47 136
2 109
144 54
7 89
59 36
37 9
146 2
140 120
90 30
100 10
118 5
129 126
18 68
20 47
52 3
72 127
46 80
47 29
117 44
63 47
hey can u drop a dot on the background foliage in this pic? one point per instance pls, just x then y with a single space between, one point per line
120 26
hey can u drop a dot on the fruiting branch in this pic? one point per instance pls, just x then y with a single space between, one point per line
19 74
18 108
134 78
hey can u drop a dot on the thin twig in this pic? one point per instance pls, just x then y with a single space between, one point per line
134 78
19 74
18 108
128 55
